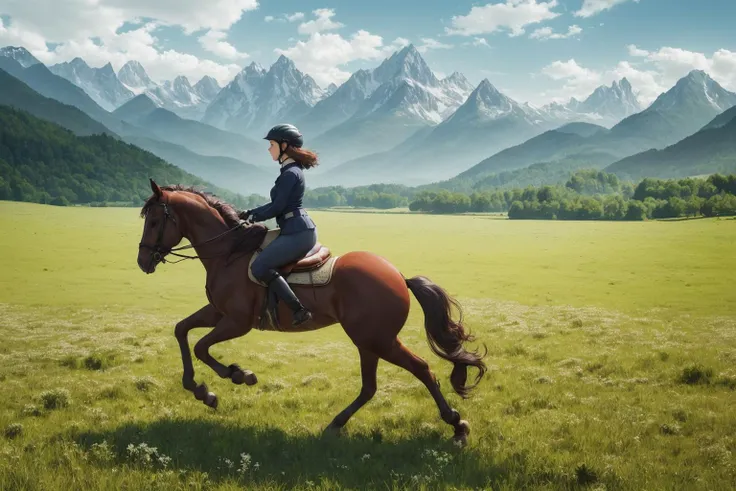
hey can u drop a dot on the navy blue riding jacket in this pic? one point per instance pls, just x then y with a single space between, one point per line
286 202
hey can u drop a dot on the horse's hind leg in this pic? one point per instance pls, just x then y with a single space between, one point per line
399 355
368 369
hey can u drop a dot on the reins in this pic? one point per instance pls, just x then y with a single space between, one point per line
159 255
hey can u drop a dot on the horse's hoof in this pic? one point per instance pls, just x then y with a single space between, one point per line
211 400
332 431
462 430
244 377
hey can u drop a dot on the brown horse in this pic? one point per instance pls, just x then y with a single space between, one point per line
367 295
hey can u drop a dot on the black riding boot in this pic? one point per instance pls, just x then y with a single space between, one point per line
283 290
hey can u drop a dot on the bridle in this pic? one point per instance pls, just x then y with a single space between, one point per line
158 253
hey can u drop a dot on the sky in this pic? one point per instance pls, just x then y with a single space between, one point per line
535 51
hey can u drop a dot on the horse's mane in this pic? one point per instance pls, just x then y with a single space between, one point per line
246 239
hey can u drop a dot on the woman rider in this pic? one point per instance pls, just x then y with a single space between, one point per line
298 232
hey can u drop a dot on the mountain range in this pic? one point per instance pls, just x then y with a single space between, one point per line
691 103
395 123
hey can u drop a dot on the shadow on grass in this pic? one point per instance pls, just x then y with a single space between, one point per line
289 460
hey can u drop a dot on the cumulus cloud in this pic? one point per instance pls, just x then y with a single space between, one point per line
547 33
323 22
214 42
322 54
514 16
652 73
429 43
111 30
295 16
593 7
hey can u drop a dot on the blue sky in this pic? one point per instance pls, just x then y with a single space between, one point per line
533 50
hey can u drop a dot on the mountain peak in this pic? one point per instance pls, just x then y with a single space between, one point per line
253 68
284 63
19 54
107 69
406 63
695 88
79 62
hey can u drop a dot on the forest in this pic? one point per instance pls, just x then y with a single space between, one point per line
595 195
42 162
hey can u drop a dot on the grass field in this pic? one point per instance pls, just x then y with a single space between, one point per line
612 349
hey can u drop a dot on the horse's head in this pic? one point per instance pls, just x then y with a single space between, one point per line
160 230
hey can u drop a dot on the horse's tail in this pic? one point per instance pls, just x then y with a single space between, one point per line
445 336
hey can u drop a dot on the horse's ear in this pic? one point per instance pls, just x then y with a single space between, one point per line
156 190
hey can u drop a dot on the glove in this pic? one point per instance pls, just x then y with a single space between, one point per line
244 215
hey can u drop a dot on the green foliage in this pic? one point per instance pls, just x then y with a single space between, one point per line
594 195
45 163
381 196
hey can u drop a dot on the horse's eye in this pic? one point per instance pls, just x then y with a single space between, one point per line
152 224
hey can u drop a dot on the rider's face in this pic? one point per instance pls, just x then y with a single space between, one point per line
273 149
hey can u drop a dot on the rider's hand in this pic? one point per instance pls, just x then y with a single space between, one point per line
244 215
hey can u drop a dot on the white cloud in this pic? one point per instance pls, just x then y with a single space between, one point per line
92 29
295 16
429 43
322 23
323 53
547 33
480 42
593 7
673 63
399 43
214 42
513 15
653 73
269 18
634 51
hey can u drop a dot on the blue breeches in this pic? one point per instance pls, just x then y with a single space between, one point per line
283 250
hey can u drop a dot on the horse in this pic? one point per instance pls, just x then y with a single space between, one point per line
365 294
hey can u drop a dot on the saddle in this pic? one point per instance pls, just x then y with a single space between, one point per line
314 269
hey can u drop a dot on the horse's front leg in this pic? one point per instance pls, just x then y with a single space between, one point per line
207 316
227 328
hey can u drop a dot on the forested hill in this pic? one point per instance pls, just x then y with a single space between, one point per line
45 163
15 93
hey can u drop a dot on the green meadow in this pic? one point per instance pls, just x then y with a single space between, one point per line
611 354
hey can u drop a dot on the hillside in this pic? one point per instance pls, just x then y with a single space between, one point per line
198 137
43 81
15 93
226 172
45 163
711 150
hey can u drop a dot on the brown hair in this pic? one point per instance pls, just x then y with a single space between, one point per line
306 158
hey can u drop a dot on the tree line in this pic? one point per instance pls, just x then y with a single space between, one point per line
594 195
381 196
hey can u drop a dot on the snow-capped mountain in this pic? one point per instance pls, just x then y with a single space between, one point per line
19 54
330 89
681 111
101 84
257 99
381 108
135 78
485 123
207 88
178 95
605 106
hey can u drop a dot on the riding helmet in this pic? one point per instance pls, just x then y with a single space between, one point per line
287 133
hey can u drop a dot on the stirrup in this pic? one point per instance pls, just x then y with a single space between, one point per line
301 316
